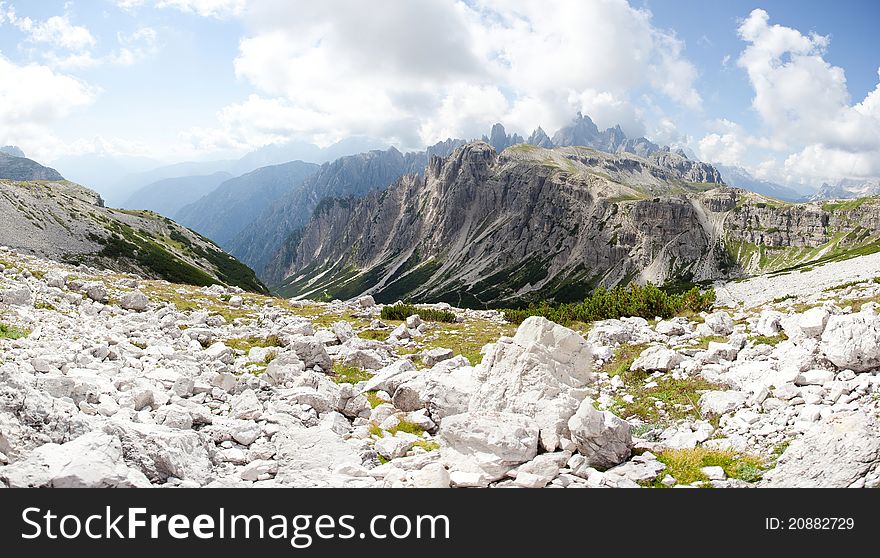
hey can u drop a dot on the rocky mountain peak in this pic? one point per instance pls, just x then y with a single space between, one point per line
12 150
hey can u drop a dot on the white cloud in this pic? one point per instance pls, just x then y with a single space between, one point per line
32 98
204 8
132 48
57 31
420 71
805 107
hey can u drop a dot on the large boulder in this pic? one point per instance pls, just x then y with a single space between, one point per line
135 301
479 448
93 460
541 372
604 439
17 296
842 451
657 358
311 351
161 452
722 402
444 390
853 341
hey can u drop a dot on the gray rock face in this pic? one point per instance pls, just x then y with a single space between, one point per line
260 244
506 210
842 451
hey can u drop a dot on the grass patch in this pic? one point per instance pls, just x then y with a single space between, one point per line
772 340
679 398
247 343
403 311
427 445
349 374
12 332
623 358
374 335
703 342
646 301
45 306
685 465
373 399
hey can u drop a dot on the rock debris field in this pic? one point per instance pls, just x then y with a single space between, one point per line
110 380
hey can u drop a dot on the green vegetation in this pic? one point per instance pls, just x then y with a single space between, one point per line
703 342
247 343
403 311
646 301
769 340
622 360
12 332
848 205
349 374
678 399
373 399
685 464
45 306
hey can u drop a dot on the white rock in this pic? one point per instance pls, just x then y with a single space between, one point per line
246 406
220 352
541 373
721 402
17 296
366 301
816 377
259 470
601 437
813 321
136 301
433 356
714 473
720 323
839 452
93 460
853 341
657 358
487 445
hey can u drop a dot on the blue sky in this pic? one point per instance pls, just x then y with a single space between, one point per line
788 91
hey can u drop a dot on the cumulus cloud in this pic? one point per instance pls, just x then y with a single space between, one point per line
804 103
57 31
32 98
204 8
419 71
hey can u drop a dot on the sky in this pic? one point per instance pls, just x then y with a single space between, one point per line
788 90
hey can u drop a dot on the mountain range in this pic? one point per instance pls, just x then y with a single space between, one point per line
848 188
531 224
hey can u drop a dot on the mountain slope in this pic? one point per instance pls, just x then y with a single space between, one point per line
66 222
355 175
534 224
222 213
481 228
167 197
20 168
12 150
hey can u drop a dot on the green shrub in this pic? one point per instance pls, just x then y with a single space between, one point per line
12 332
646 301
403 311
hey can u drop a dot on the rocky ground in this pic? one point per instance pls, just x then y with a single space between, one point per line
108 379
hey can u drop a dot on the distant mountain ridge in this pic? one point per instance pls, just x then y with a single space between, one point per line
20 168
848 188
741 178
167 197
223 212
